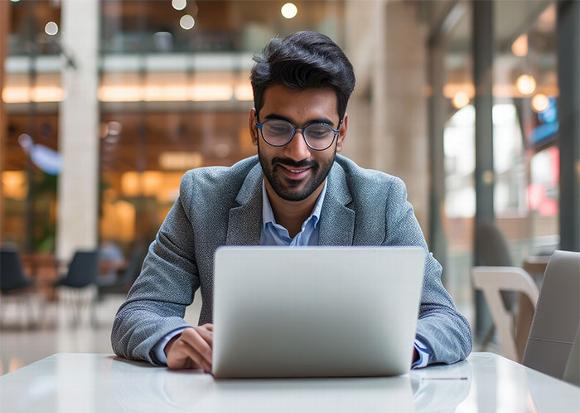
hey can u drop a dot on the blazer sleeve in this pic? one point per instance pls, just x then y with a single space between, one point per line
440 326
156 303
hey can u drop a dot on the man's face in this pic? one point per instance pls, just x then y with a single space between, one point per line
295 171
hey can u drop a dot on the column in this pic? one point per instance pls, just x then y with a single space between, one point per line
77 226
358 46
388 116
484 176
437 117
568 28
405 138
483 82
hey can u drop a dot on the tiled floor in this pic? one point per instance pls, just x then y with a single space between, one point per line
19 346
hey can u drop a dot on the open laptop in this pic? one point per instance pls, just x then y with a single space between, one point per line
315 311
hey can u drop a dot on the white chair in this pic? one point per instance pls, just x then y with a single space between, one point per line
495 280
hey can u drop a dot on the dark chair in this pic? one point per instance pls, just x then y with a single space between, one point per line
493 247
82 271
557 317
12 277
494 251
126 280
77 289
17 288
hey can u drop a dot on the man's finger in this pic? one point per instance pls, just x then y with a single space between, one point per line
181 352
198 343
207 336
197 358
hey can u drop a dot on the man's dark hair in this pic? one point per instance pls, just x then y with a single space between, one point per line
303 60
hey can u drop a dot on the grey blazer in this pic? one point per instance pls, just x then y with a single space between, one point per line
223 206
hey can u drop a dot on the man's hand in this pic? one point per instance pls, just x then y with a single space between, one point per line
192 349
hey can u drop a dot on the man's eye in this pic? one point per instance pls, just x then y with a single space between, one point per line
278 129
318 132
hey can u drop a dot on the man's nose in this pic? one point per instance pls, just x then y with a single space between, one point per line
297 148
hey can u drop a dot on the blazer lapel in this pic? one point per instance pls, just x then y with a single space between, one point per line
336 218
245 221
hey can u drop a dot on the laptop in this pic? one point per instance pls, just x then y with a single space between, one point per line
315 311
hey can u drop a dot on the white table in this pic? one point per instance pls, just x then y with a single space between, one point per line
70 382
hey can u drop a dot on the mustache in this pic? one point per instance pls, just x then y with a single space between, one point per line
294 164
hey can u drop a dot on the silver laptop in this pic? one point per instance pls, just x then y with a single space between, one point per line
315 311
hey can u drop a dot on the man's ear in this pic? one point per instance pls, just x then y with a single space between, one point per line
252 125
342 133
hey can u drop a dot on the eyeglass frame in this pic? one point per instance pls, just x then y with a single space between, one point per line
336 132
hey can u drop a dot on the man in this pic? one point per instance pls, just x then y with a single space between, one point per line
297 191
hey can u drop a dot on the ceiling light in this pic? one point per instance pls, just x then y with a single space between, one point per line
208 92
460 100
187 22
546 22
180 160
179 4
289 10
526 84
540 102
51 28
244 92
520 46
23 94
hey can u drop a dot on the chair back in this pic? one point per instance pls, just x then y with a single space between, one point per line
494 252
11 274
495 281
83 270
557 316
493 247
134 267
572 372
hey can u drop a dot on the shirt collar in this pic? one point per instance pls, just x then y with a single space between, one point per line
268 214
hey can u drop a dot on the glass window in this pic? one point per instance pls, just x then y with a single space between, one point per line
459 149
31 160
526 127
175 94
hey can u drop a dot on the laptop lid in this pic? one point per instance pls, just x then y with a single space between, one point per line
315 311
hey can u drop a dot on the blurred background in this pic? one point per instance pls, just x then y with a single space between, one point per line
106 103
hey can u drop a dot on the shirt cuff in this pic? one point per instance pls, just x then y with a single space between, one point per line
159 348
423 353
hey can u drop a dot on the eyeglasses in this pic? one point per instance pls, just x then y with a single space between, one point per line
278 132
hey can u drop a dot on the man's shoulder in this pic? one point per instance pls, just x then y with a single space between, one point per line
363 180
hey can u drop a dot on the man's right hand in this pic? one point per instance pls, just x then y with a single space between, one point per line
192 349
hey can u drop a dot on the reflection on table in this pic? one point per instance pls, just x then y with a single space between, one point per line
103 383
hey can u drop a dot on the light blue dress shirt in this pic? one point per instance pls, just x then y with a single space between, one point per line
275 234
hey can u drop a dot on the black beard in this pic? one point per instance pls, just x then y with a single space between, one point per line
319 174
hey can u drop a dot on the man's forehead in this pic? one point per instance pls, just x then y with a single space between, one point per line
300 102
